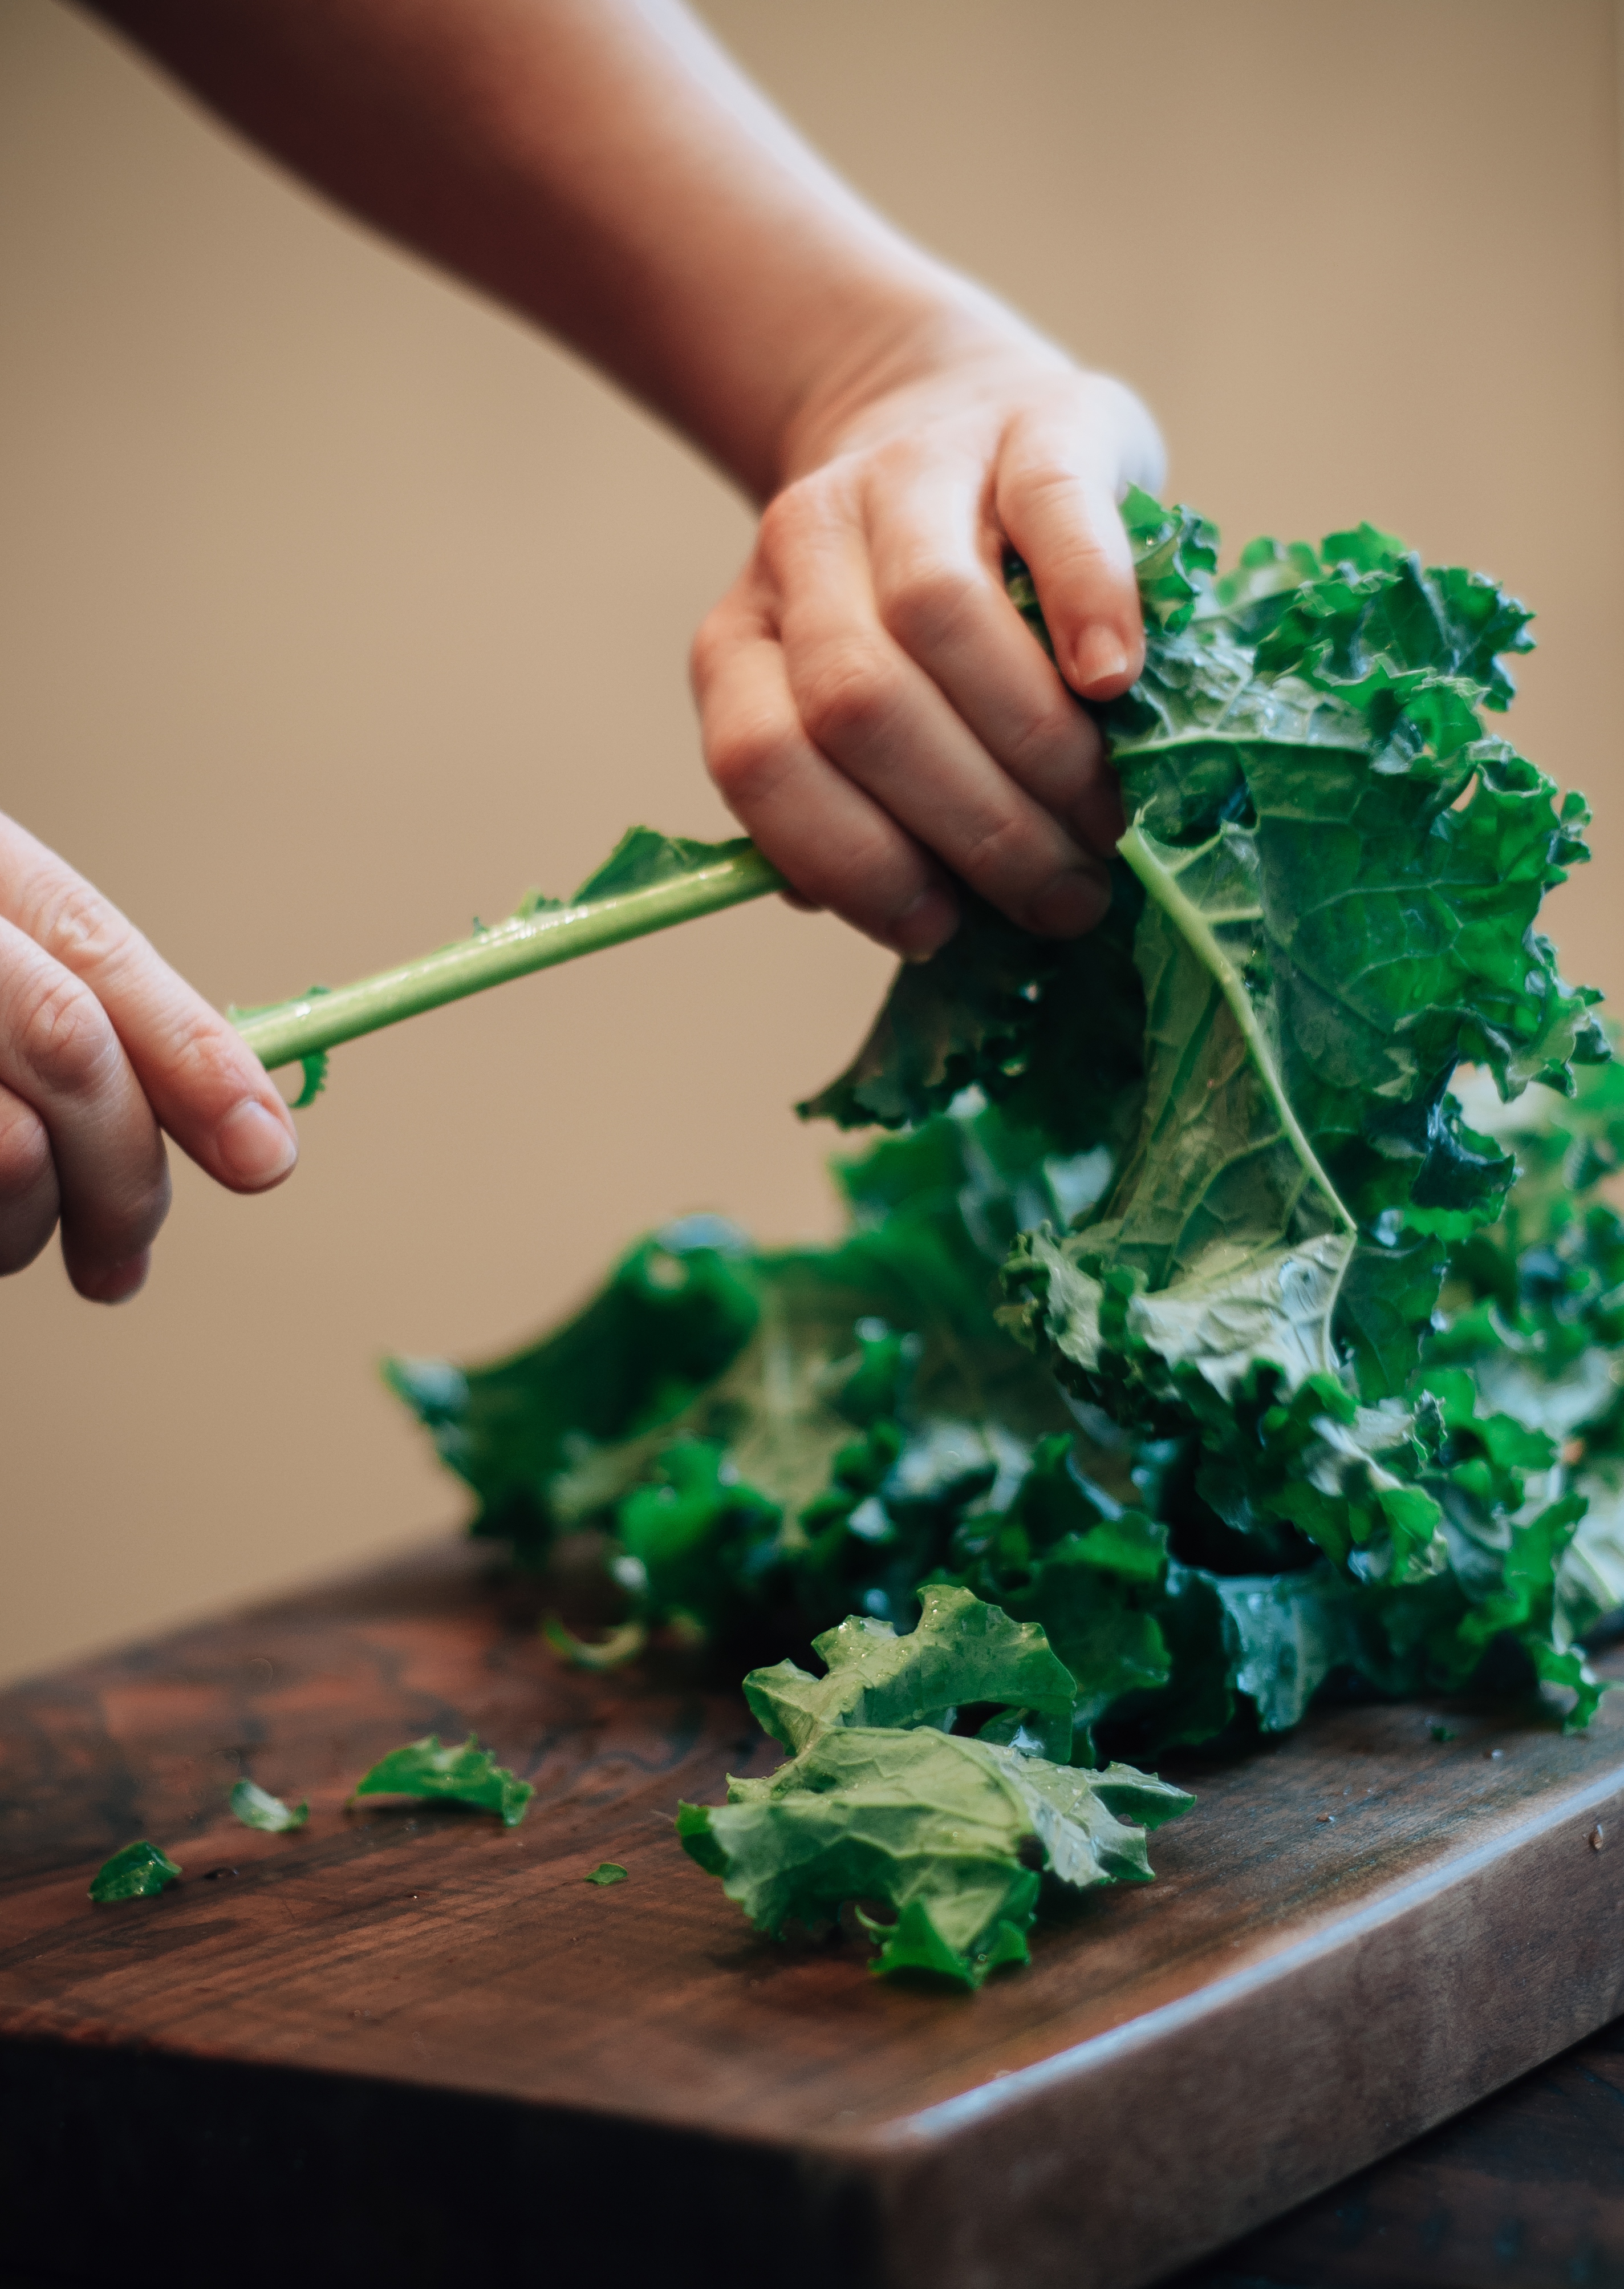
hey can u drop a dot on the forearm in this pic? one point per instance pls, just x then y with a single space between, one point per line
602 166
874 710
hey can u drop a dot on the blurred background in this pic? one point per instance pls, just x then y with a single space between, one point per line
336 608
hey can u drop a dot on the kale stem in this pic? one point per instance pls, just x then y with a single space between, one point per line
321 1020
1187 918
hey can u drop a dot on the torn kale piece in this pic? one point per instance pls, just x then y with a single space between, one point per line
963 1651
469 1775
257 1807
881 1804
139 1871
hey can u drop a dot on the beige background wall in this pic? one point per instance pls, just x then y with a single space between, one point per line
334 608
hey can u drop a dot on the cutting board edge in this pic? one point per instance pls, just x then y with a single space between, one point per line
1490 1996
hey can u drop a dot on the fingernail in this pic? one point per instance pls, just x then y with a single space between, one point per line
1101 659
924 927
1072 903
123 1281
254 1145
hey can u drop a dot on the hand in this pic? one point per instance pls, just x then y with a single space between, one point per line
101 1046
875 711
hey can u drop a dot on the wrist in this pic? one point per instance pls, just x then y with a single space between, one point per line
892 351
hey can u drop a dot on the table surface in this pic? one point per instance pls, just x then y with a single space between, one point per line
409 1954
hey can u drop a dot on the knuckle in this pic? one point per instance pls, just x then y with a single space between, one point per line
746 763
1055 752
25 1152
868 877
711 644
78 926
65 1036
995 850
847 700
787 522
207 1061
929 607
800 522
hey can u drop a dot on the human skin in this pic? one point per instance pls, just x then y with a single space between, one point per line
874 711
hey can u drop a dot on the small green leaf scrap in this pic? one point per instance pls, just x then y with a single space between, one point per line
606 1871
613 1651
314 1068
257 1807
138 1872
881 1802
467 1776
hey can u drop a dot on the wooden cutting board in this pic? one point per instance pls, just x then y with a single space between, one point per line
405 2044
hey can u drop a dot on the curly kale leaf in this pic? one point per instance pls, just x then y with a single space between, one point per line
1342 878
1221 1147
469 1775
1532 1312
962 1651
874 1397
1050 1032
673 1315
952 1834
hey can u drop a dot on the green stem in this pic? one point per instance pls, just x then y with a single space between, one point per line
1162 885
318 1021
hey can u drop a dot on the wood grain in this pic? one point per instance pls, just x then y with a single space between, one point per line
1526 2191
429 2047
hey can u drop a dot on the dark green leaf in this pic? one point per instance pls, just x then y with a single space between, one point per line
138 1872
674 1311
643 857
962 1652
313 1070
1229 1148
469 1775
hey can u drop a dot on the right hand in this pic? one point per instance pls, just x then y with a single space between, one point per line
876 715
102 1048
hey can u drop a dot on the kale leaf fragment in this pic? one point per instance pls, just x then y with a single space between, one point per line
882 1802
257 1807
139 1871
469 1775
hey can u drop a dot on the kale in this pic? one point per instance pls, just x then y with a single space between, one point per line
257 1807
881 1801
469 1775
1212 1301
139 1871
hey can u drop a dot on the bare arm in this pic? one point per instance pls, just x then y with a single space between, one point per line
869 701
873 709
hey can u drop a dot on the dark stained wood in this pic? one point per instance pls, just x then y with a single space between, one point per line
1523 2191
406 2045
